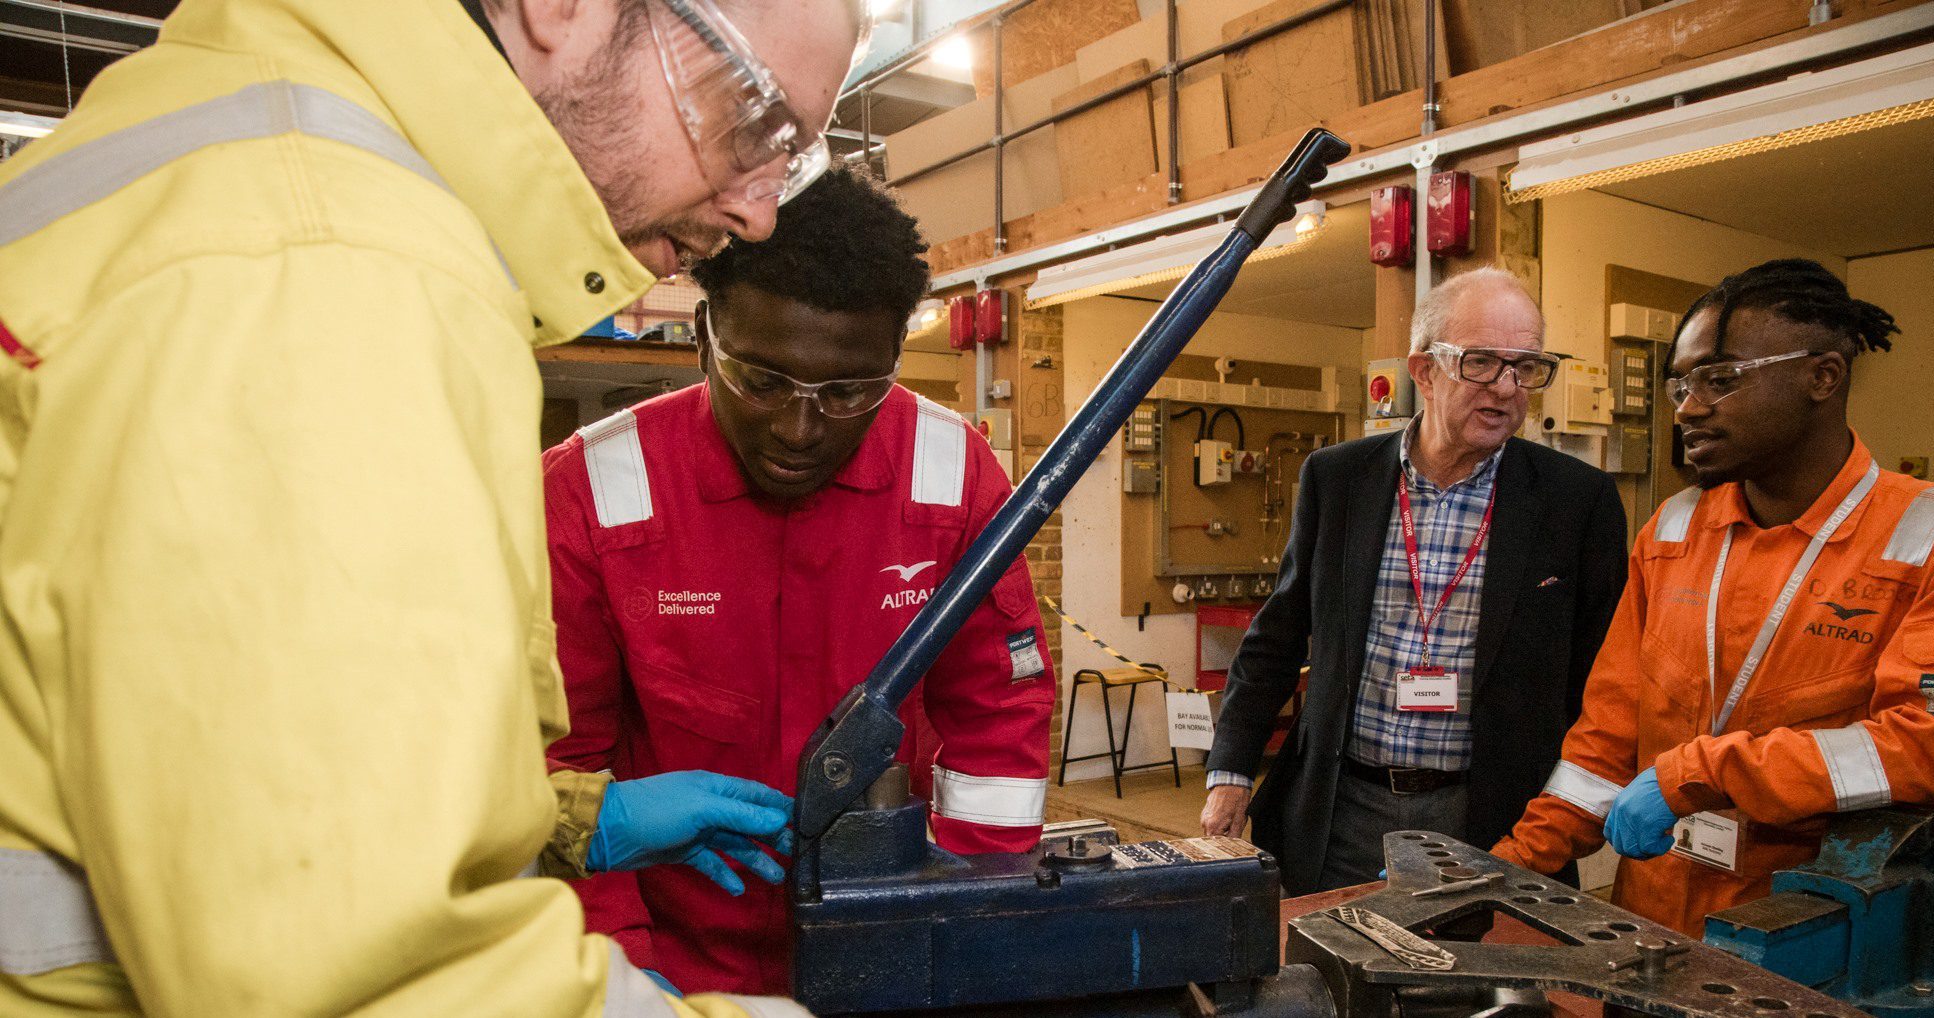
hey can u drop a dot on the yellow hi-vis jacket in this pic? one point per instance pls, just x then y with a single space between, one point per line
276 665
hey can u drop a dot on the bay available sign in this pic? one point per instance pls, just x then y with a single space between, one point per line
1190 724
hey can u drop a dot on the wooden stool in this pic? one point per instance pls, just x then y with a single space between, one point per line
1110 678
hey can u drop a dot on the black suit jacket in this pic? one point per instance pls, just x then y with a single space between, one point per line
1554 570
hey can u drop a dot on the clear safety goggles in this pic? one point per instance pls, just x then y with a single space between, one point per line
737 117
1483 366
772 391
1710 383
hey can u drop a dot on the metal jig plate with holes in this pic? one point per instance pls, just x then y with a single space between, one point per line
1596 955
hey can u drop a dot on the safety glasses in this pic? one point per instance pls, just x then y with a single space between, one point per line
772 391
1483 366
736 115
1710 383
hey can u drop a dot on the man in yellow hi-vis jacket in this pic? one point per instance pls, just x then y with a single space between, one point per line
276 665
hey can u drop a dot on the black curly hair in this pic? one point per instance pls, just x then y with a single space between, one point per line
1803 291
844 245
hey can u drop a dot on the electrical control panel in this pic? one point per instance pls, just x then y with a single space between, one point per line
1214 462
1208 468
1637 322
1631 381
1387 389
997 426
1139 434
1579 400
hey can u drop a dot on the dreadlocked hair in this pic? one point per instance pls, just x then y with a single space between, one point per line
1803 291
843 245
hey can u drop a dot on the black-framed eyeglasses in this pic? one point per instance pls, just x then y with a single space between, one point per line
1710 383
1485 365
771 391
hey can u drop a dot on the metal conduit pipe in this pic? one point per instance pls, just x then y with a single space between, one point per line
1177 67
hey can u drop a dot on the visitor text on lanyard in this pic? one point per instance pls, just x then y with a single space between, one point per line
1425 687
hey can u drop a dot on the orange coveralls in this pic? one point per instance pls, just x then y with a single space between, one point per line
1836 718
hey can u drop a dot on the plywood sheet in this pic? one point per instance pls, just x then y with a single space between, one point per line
1204 125
1294 80
1480 33
1198 28
959 200
944 134
1045 36
1109 145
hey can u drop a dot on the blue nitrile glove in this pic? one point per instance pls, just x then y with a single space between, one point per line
1640 823
663 983
692 817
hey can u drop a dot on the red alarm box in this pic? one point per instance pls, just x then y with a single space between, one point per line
1449 215
1393 220
960 322
990 316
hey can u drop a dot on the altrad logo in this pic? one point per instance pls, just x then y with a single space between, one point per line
1843 613
1828 630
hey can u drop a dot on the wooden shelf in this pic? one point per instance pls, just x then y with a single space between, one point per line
616 351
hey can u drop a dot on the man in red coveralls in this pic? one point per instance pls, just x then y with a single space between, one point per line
728 560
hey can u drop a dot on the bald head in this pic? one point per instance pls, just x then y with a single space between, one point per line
1455 297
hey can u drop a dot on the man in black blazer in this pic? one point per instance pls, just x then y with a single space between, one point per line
1448 656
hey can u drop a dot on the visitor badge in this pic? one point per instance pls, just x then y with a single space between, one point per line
1710 838
1426 688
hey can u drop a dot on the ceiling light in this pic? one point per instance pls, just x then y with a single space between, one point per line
955 54
1164 259
883 10
1879 92
26 125
925 314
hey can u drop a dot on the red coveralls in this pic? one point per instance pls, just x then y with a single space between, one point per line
1836 718
701 626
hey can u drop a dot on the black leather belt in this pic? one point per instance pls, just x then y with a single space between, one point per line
1403 780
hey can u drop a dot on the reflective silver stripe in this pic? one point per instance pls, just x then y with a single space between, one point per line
939 454
616 464
1853 765
1913 534
1675 516
47 916
1582 788
629 993
83 175
998 802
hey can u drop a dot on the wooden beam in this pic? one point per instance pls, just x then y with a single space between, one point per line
1661 42
612 351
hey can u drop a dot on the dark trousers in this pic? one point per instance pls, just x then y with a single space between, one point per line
1365 812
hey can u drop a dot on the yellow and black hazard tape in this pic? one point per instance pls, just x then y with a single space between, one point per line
1142 666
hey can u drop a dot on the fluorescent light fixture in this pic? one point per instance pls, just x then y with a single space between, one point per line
26 125
1164 259
955 54
1885 90
926 313
883 10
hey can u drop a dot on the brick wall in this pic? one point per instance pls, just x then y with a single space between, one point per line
1038 418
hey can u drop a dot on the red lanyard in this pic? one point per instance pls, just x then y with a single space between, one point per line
1429 618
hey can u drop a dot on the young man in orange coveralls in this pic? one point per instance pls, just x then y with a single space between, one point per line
730 559
1772 661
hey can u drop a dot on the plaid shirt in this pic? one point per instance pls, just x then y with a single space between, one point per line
1447 520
